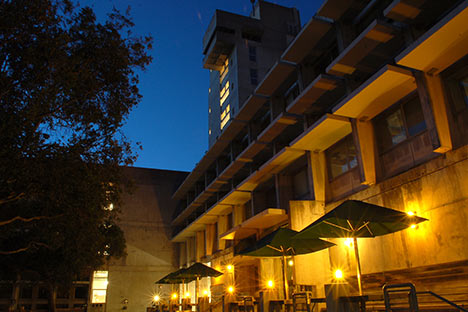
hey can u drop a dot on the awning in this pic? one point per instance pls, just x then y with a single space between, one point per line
276 127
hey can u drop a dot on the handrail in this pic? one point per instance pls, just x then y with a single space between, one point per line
443 299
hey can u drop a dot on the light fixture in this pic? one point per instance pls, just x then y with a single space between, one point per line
413 226
348 242
187 295
270 284
156 298
290 263
230 267
338 274
205 293
410 213
174 296
230 289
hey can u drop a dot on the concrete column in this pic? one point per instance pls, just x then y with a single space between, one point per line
210 238
200 245
222 227
320 175
363 133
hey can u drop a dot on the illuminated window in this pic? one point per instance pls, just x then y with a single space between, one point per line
99 286
341 157
224 93
225 116
209 90
224 71
209 131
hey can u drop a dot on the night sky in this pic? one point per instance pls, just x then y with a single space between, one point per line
171 122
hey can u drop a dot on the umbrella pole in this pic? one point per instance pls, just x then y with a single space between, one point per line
358 265
285 280
196 289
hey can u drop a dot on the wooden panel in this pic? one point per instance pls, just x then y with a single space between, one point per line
397 159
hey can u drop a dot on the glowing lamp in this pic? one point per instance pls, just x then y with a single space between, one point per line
230 289
413 226
338 274
230 268
290 263
348 242
187 295
156 298
205 293
174 296
270 284
410 213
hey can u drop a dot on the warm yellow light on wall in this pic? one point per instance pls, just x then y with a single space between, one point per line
413 226
290 263
230 267
270 284
338 274
230 289
348 242
205 293
410 213
187 295
174 296
156 298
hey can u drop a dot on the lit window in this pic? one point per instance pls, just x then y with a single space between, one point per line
209 131
99 286
224 71
209 110
225 116
209 90
224 93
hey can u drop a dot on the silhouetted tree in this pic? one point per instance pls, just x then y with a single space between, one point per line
67 83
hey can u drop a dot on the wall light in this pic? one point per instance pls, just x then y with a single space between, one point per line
348 242
230 267
187 295
410 213
156 298
230 289
270 284
290 263
205 293
338 274
174 296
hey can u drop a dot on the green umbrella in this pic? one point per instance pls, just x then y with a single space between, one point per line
175 278
282 243
199 270
354 219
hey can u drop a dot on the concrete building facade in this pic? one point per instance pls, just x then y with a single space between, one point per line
378 113
238 50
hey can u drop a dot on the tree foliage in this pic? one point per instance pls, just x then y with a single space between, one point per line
67 84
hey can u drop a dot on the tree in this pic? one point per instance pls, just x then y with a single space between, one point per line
67 84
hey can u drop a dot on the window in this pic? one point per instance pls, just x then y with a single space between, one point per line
464 87
224 93
253 76
225 116
252 53
291 93
224 71
341 157
400 123
99 286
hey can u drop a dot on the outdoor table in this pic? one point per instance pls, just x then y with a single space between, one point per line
281 305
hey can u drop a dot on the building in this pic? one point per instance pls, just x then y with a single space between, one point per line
127 283
368 102
239 50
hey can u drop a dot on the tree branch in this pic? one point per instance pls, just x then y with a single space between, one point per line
19 218
30 245
11 198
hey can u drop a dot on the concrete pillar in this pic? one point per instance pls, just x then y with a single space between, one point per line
320 175
363 133
200 245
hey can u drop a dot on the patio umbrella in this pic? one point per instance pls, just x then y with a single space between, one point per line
282 243
199 270
175 278
353 219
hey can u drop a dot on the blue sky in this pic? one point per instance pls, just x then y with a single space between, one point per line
171 122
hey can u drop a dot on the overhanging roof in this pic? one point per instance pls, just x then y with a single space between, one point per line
376 33
402 11
275 77
283 158
276 127
250 107
324 133
441 46
312 93
334 9
306 40
263 220
384 88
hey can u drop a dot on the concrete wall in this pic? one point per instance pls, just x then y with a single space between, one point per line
436 190
145 221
